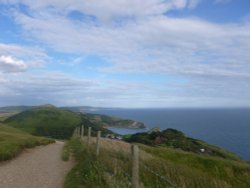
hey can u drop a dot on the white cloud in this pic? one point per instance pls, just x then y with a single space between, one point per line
144 40
16 58
160 37
22 51
9 64
107 9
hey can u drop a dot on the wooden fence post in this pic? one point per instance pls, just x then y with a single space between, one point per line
89 135
98 143
82 132
78 131
135 166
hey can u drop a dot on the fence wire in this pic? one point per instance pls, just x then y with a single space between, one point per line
158 175
145 167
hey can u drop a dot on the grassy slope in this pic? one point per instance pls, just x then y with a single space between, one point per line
5 115
185 169
176 139
52 122
210 171
12 141
46 121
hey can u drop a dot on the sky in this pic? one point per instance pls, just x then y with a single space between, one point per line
125 53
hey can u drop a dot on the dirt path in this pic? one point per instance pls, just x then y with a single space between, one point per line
40 167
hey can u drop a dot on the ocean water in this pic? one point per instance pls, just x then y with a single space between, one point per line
227 128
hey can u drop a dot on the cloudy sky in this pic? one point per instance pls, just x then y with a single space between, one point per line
125 53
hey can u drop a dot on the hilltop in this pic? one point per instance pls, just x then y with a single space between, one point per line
46 120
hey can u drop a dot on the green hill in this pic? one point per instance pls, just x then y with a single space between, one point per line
13 141
177 140
110 121
49 121
46 121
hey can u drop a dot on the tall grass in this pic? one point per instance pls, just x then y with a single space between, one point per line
160 167
13 141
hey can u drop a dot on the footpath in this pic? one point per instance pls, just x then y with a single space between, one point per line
40 167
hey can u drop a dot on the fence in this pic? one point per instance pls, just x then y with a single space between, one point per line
128 166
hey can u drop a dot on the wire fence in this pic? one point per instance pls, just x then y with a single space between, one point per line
121 164
163 178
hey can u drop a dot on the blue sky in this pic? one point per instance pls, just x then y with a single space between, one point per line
125 53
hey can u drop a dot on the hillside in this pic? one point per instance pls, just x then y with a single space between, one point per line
13 141
177 140
46 121
110 121
159 167
49 121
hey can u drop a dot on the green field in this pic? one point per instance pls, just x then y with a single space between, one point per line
13 141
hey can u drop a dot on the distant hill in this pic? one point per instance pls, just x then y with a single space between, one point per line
50 121
46 120
177 140
14 108
86 109
110 121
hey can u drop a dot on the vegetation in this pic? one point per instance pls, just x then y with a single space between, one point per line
66 152
5 115
110 121
92 172
194 170
53 122
176 139
174 167
46 121
13 141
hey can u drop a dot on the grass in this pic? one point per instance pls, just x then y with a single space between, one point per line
194 170
66 152
46 121
93 172
5 115
51 122
13 141
172 138
175 167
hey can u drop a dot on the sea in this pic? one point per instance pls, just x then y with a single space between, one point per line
227 128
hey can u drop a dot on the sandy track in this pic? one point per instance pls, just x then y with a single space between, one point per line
40 167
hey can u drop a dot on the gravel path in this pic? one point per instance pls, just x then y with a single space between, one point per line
40 167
